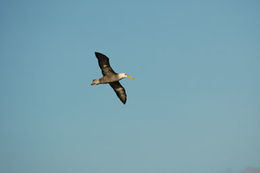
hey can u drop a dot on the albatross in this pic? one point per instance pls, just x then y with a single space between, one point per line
110 77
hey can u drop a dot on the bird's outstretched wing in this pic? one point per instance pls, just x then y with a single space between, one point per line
120 91
103 62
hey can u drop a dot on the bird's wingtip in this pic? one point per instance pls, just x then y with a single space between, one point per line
99 54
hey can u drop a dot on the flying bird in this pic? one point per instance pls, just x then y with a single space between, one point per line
110 77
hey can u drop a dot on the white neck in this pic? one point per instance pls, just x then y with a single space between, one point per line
122 75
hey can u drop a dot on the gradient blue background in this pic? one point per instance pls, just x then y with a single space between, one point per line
194 105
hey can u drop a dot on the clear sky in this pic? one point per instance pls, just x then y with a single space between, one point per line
193 107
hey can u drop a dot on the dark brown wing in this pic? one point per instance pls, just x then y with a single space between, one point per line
103 62
120 91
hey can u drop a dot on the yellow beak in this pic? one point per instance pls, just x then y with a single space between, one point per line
130 77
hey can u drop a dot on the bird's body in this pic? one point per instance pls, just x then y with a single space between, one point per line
110 77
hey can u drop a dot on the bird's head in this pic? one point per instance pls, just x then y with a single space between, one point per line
123 75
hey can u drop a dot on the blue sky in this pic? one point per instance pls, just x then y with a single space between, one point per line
193 106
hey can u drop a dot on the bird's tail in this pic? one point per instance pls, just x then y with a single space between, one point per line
95 82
